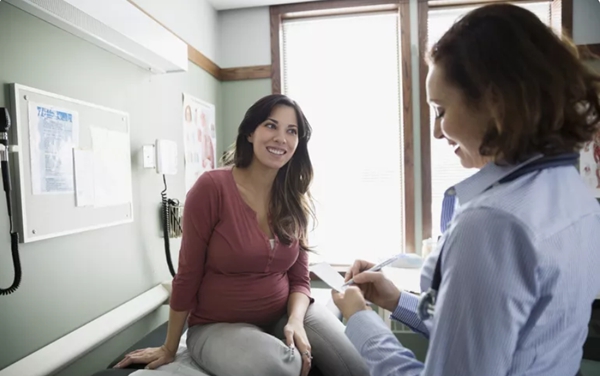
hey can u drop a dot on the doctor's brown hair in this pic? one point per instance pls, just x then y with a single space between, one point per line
290 206
541 96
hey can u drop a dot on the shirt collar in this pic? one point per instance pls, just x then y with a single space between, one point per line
489 175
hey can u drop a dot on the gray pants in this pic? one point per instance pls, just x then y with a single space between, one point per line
224 349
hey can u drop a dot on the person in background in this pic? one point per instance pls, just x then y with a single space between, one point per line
509 288
243 280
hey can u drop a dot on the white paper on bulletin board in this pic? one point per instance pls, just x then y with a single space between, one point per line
84 177
111 166
53 133
199 138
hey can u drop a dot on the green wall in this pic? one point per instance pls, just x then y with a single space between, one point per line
236 98
71 280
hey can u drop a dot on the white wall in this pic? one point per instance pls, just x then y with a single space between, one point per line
195 21
586 21
244 37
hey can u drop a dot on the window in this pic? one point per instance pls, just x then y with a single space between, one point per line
446 169
344 71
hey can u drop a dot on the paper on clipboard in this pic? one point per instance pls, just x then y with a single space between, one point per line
329 275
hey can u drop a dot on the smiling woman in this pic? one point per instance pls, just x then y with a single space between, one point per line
444 169
243 281
275 133
509 287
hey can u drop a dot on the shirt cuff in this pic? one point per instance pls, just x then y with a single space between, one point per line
363 326
406 311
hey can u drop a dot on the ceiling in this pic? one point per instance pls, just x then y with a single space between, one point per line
237 4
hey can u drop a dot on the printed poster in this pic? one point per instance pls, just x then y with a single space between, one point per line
53 133
200 139
589 164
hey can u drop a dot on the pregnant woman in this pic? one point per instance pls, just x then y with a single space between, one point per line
243 281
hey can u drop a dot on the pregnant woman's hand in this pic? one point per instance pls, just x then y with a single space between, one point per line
154 357
295 336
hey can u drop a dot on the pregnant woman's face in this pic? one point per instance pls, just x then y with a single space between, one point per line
275 140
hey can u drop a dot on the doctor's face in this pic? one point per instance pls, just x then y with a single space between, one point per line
460 123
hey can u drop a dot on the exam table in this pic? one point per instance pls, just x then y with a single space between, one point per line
183 364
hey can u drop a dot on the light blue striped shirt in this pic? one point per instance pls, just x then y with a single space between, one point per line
520 271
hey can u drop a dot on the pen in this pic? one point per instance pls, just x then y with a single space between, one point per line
376 268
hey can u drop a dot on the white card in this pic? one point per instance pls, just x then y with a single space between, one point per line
329 275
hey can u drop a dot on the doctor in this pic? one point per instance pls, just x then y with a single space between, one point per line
509 288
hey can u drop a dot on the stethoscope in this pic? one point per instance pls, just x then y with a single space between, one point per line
426 306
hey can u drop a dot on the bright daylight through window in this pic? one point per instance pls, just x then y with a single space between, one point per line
344 73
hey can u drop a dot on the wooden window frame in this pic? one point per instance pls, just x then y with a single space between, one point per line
279 13
561 19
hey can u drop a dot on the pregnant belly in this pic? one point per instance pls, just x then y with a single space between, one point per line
242 298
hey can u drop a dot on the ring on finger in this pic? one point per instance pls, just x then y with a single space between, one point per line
307 354
307 362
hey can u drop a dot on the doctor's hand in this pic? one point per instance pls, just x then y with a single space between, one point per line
375 287
350 301
295 337
154 357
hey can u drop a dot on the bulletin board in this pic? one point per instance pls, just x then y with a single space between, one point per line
72 165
